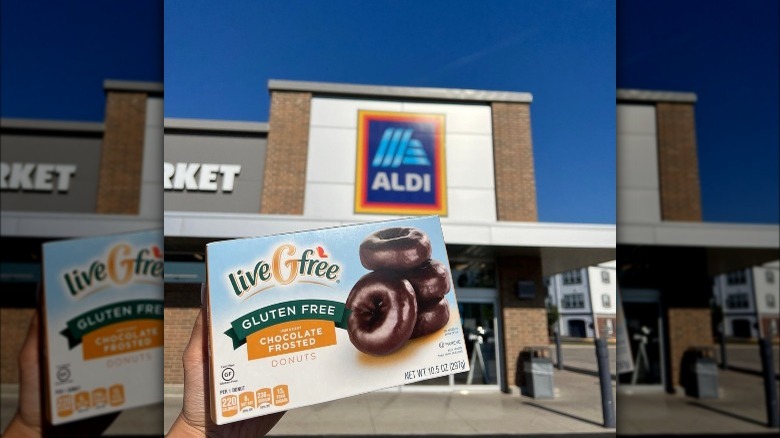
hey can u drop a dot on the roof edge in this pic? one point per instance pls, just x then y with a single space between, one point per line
51 125
626 94
118 85
408 92
215 125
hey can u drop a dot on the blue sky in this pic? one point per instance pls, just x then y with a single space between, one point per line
55 55
219 57
728 56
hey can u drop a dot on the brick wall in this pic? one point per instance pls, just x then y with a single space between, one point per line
13 331
119 185
178 327
766 327
513 159
678 164
688 327
601 322
525 321
284 181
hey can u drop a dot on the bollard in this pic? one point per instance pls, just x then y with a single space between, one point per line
605 380
723 357
558 353
770 390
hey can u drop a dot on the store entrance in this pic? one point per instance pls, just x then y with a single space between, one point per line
479 330
642 308
479 319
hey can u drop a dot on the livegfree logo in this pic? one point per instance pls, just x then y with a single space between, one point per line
400 163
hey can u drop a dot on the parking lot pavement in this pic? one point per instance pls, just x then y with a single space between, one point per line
581 356
744 356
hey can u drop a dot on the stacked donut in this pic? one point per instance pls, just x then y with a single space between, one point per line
403 297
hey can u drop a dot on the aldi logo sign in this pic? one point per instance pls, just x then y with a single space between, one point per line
400 163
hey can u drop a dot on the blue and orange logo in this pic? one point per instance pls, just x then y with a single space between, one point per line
400 163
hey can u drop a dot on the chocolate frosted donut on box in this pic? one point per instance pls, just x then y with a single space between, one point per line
431 318
384 311
396 248
431 281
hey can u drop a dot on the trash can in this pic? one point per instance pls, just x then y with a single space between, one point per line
535 372
702 370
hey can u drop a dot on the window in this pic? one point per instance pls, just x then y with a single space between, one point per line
474 273
606 301
770 277
770 301
573 301
572 277
605 277
736 277
737 301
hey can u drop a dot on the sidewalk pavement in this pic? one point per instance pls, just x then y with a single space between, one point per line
576 409
414 411
739 409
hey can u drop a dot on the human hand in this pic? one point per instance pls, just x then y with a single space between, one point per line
195 417
29 421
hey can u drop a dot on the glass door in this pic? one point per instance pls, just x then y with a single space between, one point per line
479 319
480 331
642 309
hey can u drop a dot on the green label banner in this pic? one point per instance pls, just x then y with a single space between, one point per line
284 312
110 314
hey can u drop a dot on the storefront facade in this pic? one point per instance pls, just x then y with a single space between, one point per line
336 154
667 256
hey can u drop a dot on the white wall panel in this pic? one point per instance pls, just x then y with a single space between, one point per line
638 206
333 201
637 162
332 155
342 113
461 119
151 204
470 161
152 166
636 119
152 200
638 193
472 205
154 112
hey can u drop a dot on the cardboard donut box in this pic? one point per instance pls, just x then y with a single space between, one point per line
102 315
303 318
